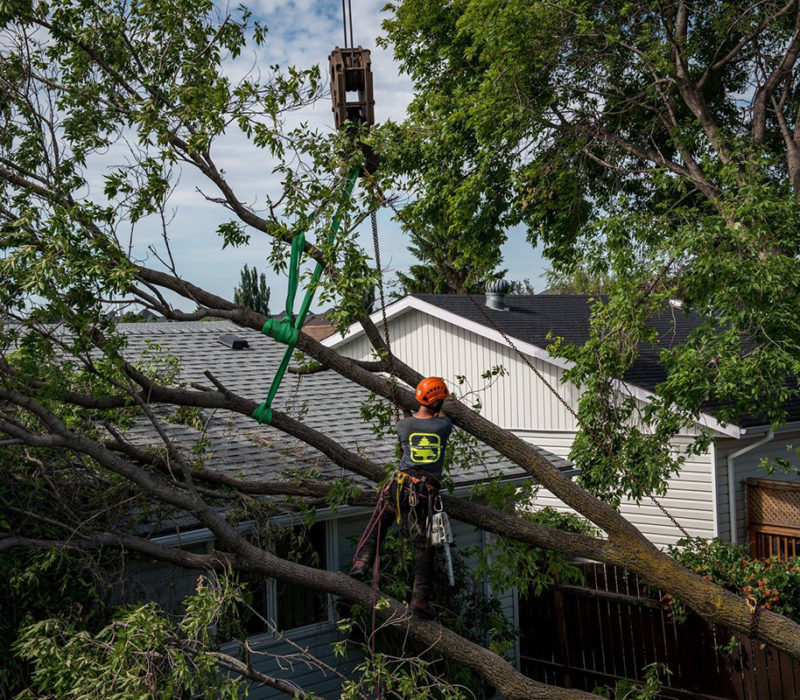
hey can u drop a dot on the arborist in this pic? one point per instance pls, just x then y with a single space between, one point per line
412 491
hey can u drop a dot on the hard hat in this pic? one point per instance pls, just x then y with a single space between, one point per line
431 389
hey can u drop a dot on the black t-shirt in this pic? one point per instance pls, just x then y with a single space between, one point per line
424 441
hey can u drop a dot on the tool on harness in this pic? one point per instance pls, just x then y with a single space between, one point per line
441 535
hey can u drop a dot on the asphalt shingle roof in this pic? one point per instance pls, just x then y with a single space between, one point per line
531 318
325 401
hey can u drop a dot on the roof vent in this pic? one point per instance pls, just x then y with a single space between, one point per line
233 341
495 291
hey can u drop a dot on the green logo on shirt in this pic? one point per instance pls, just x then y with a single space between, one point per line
425 447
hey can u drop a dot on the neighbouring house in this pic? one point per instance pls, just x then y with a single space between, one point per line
450 336
319 326
245 362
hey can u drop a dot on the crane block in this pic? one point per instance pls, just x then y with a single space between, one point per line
351 72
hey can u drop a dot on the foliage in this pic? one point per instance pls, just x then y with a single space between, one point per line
45 584
630 690
252 292
507 564
772 583
650 147
140 653
135 95
579 280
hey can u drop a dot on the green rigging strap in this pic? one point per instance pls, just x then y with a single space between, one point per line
287 329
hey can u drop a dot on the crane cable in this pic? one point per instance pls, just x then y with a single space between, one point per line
389 354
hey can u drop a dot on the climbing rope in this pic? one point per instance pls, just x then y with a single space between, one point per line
286 330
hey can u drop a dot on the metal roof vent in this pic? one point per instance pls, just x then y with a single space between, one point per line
495 291
233 341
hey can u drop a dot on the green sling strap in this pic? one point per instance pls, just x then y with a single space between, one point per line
286 330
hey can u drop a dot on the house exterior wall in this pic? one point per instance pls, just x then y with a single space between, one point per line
437 348
748 466
522 402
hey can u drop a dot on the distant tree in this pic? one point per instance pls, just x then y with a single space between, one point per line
449 266
253 291
579 280
521 287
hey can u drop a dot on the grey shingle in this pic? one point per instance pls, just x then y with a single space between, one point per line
325 401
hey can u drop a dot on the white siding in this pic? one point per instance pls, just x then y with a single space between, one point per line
688 498
519 399
745 467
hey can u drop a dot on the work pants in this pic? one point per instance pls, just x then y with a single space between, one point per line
418 514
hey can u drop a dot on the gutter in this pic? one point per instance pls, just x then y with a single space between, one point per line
732 482
757 430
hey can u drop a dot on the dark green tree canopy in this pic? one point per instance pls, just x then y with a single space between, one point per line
252 292
657 144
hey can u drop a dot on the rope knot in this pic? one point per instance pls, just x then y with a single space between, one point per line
263 414
283 331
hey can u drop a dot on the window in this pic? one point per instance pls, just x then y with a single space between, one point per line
289 605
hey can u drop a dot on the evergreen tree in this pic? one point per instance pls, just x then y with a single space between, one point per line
253 291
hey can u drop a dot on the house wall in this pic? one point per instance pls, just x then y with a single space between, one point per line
522 402
748 466
438 348
279 657
688 499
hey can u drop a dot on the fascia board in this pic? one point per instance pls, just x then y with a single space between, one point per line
355 330
412 303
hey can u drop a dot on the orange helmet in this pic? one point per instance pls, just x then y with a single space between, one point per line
430 390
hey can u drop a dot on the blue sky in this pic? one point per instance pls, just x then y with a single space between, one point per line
301 33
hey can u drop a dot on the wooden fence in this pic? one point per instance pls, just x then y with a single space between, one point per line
612 628
773 517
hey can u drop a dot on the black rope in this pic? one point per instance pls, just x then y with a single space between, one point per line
344 23
392 380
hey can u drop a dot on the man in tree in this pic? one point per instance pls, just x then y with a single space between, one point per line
413 490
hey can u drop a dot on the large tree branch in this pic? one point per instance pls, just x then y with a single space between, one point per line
767 89
247 556
689 91
636 553
720 63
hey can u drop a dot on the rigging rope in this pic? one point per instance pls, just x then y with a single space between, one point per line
390 355
286 330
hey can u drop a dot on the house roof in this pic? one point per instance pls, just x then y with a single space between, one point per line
325 401
538 319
